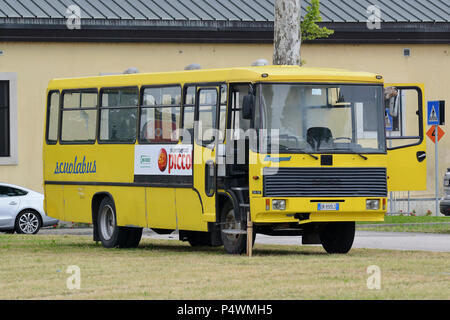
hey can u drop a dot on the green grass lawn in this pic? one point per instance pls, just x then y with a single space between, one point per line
35 267
409 219
401 224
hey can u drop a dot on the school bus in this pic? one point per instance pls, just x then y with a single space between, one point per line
300 151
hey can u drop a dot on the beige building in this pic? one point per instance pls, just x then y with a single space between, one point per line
37 44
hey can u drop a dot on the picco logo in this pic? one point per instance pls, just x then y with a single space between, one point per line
162 159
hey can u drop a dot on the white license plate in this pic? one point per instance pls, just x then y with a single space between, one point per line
328 206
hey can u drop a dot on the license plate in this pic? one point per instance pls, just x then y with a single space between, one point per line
328 206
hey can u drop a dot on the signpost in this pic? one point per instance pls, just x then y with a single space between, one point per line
435 134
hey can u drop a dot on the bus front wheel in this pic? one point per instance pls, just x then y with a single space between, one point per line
337 237
233 231
112 235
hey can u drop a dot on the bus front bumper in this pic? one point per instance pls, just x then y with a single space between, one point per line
308 210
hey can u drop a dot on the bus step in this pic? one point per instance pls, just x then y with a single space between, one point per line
234 231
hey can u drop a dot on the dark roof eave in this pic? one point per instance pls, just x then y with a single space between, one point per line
214 31
132 24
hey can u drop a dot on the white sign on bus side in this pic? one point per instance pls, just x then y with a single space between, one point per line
163 160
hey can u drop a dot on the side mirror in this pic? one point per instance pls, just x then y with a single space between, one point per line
248 105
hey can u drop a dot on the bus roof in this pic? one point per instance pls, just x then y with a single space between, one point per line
242 74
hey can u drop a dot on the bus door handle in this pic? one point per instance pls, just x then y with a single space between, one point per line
421 155
210 181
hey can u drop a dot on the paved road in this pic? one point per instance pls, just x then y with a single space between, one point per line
381 240
363 239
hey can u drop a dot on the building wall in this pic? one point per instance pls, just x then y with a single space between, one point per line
37 63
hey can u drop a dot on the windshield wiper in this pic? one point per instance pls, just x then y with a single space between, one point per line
311 155
284 148
364 157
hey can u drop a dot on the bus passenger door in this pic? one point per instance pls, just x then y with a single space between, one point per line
205 146
406 147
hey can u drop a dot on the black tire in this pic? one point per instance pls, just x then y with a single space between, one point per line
236 243
28 222
109 233
337 237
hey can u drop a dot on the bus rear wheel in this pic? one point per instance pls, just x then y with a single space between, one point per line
112 235
337 237
233 231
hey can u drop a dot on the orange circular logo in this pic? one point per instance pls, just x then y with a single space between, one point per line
162 159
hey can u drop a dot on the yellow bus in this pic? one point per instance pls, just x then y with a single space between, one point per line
304 151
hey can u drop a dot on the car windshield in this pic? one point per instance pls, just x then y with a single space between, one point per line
320 118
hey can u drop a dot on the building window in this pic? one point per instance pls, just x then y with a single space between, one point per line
4 119
8 118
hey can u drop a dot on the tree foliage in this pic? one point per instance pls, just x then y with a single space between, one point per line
309 28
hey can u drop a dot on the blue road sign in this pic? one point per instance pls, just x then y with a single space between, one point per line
433 113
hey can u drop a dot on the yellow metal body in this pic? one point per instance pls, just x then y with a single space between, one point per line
404 172
69 197
350 209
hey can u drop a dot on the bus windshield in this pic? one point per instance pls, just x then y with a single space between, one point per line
320 118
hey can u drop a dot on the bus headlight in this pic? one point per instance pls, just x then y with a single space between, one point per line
278 204
372 204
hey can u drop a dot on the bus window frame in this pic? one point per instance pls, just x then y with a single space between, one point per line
203 85
184 104
61 105
419 113
212 143
141 105
100 141
258 84
47 125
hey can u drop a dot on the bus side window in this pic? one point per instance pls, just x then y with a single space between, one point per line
223 111
79 116
238 124
118 114
187 133
160 114
207 106
52 116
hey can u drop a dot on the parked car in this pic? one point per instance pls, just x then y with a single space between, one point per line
444 205
21 210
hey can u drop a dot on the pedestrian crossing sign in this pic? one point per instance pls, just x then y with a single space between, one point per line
433 113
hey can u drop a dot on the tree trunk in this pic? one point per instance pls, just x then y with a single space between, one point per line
287 39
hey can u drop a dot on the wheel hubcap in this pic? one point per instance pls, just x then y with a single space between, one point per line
231 224
107 222
28 222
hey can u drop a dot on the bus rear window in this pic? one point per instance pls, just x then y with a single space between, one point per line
52 117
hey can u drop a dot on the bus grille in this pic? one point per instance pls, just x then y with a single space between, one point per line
325 182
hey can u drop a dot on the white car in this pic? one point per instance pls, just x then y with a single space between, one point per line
21 210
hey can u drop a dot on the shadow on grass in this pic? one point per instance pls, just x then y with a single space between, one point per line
160 246
182 248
